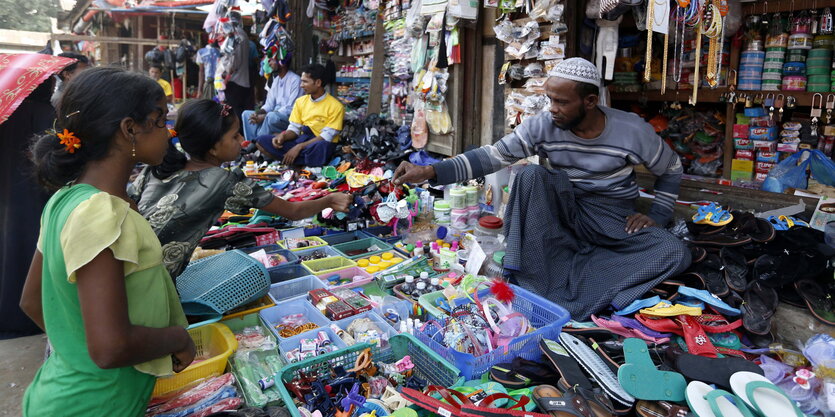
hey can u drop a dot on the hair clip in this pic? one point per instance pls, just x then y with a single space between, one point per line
72 114
224 109
69 140
172 132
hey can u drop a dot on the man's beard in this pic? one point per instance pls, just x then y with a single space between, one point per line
571 124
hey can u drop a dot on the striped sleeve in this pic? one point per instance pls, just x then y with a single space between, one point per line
662 161
486 159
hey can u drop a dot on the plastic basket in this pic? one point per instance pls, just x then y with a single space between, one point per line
221 283
326 250
272 316
429 366
237 324
345 237
273 249
262 303
363 245
287 272
545 316
347 273
328 265
310 238
214 343
242 371
428 302
295 288
375 318
287 345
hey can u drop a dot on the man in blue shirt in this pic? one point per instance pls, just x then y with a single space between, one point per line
274 115
206 58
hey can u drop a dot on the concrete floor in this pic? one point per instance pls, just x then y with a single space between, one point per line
19 360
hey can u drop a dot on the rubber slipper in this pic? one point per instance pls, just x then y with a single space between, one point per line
635 324
595 367
716 371
792 222
724 238
712 214
758 308
818 301
776 271
600 404
564 364
735 268
558 404
619 329
709 299
762 396
638 304
639 377
697 254
660 409
777 223
665 309
504 374
705 401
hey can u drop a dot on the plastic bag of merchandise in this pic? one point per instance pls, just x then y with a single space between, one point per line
791 172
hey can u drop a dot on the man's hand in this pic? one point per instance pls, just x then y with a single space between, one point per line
292 154
278 139
257 118
340 201
182 359
411 173
638 221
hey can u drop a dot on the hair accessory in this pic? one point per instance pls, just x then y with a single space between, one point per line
172 132
69 140
224 109
72 114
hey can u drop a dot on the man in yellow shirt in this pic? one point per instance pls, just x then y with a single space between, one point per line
315 124
156 73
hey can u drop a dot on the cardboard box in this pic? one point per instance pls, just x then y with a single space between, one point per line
741 175
743 143
762 133
765 145
760 176
742 165
764 156
741 131
787 147
763 167
745 154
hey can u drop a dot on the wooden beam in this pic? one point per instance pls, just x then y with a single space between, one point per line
375 90
113 39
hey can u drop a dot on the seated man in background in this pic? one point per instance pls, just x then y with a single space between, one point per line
315 124
274 115
156 73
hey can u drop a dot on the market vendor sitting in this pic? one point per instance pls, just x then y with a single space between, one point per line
274 116
573 233
315 124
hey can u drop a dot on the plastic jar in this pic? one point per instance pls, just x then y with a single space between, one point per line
473 213
801 41
459 218
495 267
472 195
489 226
457 198
442 212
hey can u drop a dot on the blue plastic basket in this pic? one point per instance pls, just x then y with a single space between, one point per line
272 249
429 366
287 272
221 283
545 316
345 237
364 245
326 250
272 316
295 288
287 345
375 318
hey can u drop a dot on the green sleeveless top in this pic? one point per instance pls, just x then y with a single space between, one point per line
77 224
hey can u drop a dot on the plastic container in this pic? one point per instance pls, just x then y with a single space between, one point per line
801 41
345 237
358 276
429 366
442 211
222 283
287 272
315 241
287 345
251 308
472 195
459 218
489 226
495 268
375 318
327 251
362 248
272 316
295 288
794 83
328 265
214 343
545 316
474 212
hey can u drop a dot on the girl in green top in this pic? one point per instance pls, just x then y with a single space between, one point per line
97 284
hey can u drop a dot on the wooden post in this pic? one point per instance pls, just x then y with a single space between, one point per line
139 35
375 90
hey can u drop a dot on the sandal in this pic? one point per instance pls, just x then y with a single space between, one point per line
817 300
660 409
712 214
599 403
735 268
760 304
555 403
640 378
665 309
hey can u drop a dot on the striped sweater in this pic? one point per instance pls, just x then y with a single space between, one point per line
603 165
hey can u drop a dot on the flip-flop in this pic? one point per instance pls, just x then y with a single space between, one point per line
735 268
818 301
595 367
665 309
564 364
638 304
639 377
558 404
762 396
712 214
705 401
600 404
716 371
660 409
619 329
504 374
760 303
710 300
635 324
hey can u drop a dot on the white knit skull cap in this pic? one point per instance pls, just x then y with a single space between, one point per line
576 69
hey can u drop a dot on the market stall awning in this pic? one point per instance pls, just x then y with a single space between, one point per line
20 74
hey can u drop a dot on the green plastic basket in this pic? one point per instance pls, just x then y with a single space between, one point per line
328 265
362 244
237 325
317 239
429 366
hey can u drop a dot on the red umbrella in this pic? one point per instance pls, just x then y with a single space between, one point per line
21 73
